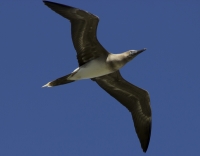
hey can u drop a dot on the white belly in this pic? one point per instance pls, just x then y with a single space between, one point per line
94 68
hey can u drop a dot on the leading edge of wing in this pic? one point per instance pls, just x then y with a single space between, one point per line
69 12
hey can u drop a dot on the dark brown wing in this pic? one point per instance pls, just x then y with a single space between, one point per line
135 99
83 29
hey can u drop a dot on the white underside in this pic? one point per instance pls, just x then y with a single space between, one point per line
94 68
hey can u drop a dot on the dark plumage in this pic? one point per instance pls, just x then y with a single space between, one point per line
91 53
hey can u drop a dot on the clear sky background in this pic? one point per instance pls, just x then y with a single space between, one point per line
80 118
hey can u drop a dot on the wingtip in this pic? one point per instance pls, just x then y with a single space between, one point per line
144 150
48 2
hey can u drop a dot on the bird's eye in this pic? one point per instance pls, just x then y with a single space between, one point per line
131 52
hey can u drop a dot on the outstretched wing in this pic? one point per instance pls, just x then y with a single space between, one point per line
135 99
83 30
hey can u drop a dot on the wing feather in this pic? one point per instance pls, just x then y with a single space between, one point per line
135 99
83 31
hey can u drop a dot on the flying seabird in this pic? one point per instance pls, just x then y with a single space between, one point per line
96 63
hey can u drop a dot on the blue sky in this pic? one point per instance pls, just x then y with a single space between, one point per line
80 118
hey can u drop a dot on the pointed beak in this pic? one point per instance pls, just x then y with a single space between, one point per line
141 50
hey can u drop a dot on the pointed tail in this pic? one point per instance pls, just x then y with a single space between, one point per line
59 81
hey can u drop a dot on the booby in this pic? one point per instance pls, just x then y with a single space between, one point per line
101 66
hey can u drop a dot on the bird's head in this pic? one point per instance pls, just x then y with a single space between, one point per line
134 53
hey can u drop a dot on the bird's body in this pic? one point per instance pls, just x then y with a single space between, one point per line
100 66
93 68
96 63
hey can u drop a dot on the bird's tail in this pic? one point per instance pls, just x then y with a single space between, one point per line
59 81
